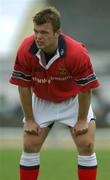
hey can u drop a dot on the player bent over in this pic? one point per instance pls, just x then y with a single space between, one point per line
55 78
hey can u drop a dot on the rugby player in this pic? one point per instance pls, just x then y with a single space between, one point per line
55 78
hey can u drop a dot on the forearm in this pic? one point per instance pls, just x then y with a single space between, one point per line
26 102
84 104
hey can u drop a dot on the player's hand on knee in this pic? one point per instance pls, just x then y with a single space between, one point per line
31 127
80 128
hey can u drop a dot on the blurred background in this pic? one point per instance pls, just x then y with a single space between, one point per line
87 21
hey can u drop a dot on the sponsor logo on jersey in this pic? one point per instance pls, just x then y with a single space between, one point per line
44 80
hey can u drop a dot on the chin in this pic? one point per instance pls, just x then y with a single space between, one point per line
40 47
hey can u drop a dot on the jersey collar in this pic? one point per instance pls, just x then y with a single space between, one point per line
61 46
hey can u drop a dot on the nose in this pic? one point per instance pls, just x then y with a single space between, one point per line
38 36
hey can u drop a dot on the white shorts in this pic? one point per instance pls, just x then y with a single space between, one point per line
66 112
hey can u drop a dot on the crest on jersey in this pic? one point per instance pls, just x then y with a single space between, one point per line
62 71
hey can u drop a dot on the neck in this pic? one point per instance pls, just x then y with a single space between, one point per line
52 48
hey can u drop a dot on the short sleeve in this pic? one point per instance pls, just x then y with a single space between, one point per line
21 74
83 72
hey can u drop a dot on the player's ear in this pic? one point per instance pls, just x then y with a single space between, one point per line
58 32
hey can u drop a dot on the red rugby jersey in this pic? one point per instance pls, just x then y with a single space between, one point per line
69 72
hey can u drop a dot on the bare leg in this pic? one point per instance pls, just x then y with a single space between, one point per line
87 162
30 159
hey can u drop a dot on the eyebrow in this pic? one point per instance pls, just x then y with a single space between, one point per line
42 31
35 30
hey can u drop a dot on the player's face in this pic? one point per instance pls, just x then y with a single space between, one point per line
46 39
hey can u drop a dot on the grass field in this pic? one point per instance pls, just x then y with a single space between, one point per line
56 164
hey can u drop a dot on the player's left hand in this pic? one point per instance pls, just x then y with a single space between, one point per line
80 128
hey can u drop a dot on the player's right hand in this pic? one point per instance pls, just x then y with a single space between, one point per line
31 127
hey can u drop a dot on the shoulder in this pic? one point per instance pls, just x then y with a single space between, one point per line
76 55
74 45
26 43
75 50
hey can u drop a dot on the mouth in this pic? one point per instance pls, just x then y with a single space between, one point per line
39 43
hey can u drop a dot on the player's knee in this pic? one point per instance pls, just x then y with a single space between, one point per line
31 145
86 148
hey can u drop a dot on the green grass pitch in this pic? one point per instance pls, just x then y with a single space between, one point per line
56 164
